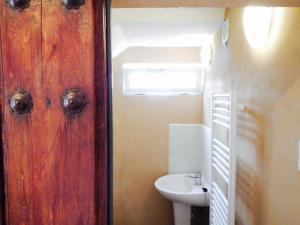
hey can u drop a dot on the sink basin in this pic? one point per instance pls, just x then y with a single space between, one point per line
184 190
181 188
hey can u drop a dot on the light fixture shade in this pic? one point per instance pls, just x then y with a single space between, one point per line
257 25
225 31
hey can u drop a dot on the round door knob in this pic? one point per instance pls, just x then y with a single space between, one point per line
73 102
73 4
20 102
18 5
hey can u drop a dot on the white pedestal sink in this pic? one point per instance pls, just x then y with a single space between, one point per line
184 190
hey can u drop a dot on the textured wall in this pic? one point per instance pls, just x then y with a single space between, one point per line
283 181
268 82
141 139
199 3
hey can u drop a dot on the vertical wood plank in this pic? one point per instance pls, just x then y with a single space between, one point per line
69 62
102 130
2 189
21 57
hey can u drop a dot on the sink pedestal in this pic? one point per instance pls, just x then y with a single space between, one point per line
182 214
184 193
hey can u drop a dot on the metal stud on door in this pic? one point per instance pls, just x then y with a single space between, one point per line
73 102
73 4
20 102
18 5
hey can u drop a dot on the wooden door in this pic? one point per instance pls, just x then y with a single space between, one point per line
54 112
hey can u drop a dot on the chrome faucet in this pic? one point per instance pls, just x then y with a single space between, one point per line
196 178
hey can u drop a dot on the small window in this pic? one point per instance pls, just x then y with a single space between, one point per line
162 79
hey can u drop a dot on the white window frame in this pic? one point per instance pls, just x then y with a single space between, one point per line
165 67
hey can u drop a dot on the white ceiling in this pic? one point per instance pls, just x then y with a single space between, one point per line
163 27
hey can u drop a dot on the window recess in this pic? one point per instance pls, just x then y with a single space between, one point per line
162 79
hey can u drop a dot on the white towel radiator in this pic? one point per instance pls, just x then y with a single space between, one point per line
223 162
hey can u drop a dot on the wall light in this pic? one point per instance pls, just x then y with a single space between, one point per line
258 25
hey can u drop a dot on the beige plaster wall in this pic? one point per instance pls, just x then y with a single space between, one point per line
282 181
268 82
199 3
141 139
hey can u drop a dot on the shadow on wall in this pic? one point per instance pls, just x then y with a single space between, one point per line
251 129
249 195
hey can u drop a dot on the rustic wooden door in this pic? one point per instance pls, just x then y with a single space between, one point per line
53 112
